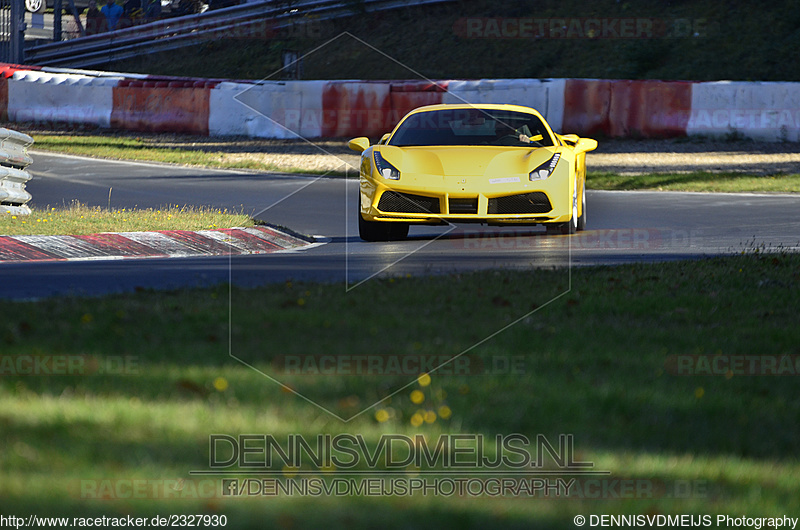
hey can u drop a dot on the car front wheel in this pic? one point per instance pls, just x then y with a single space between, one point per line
582 218
571 226
378 231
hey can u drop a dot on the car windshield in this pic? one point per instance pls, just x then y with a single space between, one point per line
472 127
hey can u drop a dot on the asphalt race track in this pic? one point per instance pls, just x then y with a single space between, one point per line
623 227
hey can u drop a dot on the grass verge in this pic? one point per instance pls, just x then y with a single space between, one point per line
695 181
157 379
147 148
79 219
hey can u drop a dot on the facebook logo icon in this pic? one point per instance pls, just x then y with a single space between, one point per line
230 486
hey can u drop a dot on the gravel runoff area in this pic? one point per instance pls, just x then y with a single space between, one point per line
626 157
632 157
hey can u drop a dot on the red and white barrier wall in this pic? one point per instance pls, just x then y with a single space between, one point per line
35 96
161 106
762 111
619 108
266 110
544 95
314 109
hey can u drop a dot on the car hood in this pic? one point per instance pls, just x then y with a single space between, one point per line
471 161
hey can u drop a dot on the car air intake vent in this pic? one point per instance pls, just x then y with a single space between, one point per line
391 201
536 202
464 205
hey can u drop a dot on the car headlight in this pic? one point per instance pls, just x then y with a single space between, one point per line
385 169
546 169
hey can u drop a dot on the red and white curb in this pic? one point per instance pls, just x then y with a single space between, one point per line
161 244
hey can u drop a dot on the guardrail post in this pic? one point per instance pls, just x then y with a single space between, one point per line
57 12
17 32
76 15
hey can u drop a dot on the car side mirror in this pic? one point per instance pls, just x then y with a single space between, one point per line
585 144
384 138
359 145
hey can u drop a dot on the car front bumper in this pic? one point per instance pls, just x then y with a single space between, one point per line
518 202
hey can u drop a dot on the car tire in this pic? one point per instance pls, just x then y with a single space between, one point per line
582 219
35 6
381 231
398 231
571 226
562 228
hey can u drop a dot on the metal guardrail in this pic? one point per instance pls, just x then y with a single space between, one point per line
179 32
13 177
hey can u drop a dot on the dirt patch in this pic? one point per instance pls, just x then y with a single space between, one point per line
633 157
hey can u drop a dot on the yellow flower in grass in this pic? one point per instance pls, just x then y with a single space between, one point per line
424 380
221 384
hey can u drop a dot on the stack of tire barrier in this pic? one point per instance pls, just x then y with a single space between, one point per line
13 177
315 109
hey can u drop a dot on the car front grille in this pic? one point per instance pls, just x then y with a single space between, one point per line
536 202
464 205
392 201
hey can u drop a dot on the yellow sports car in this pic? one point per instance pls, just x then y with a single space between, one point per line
491 164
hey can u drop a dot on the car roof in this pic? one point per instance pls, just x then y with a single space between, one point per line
480 106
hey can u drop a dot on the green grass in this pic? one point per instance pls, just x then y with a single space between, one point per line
79 219
122 145
594 363
695 181
125 147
